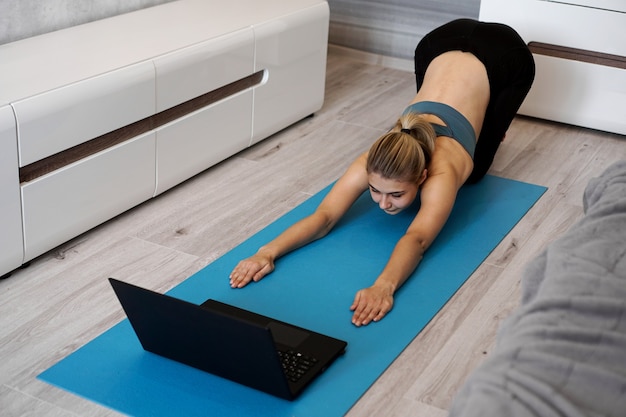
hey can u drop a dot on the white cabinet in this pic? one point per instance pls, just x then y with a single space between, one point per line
98 118
580 54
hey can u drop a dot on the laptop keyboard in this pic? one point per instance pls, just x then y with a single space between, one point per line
295 364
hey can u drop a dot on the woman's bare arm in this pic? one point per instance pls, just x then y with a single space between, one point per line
437 196
339 199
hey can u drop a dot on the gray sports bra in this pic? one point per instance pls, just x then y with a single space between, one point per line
457 127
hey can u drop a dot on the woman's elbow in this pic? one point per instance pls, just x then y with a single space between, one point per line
323 224
417 241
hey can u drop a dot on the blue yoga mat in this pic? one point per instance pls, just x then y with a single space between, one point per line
312 287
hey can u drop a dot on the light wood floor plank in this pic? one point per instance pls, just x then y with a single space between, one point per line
14 403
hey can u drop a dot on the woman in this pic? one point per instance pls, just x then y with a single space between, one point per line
471 79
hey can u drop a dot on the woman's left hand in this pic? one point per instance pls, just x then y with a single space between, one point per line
371 304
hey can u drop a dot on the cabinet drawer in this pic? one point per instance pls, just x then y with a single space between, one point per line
56 120
578 93
207 66
194 142
78 197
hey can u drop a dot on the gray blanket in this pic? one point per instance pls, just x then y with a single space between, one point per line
563 351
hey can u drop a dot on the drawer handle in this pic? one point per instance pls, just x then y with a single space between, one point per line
581 55
51 163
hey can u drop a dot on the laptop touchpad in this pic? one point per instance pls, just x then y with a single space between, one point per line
286 335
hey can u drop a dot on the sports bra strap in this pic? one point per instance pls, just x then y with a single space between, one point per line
457 126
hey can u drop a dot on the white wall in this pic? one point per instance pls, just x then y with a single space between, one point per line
392 27
21 19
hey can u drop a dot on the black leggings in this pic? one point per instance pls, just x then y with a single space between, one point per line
510 68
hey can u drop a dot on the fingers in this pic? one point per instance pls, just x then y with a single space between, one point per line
366 316
369 307
245 272
238 280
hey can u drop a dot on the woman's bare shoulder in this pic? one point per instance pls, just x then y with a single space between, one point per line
356 174
450 159
347 188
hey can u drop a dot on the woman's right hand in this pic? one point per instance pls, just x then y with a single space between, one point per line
251 269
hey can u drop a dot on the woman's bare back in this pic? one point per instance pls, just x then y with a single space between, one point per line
459 80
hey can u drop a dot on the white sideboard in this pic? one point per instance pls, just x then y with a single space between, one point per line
580 54
98 118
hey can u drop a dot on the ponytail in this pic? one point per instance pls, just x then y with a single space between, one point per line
405 151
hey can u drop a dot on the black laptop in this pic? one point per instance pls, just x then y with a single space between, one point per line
266 354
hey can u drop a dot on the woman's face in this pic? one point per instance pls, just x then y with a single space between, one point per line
392 196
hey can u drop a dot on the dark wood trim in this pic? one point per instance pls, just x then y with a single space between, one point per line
598 58
108 140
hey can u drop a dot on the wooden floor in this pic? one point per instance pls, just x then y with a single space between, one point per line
62 300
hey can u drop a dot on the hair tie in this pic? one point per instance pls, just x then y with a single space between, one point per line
403 130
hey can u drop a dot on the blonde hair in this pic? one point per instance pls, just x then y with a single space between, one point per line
405 151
